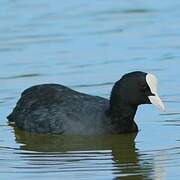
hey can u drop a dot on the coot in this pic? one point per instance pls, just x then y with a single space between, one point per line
57 109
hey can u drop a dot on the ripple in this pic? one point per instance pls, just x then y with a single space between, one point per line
108 31
10 43
22 76
170 113
93 85
120 11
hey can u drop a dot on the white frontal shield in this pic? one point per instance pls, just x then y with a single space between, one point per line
154 99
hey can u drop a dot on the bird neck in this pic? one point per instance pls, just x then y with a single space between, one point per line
122 118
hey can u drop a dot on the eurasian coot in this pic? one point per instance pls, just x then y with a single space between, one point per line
56 109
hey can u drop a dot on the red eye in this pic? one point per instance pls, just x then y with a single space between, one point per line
143 87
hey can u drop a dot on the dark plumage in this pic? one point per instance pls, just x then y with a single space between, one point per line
53 108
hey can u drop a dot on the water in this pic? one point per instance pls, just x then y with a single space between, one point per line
88 45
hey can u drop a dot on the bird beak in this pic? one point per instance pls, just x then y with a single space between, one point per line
155 100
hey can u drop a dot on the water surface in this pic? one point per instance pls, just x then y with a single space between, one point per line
88 45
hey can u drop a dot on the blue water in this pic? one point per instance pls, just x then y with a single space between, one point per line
88 45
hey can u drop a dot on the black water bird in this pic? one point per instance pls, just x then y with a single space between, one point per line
56 109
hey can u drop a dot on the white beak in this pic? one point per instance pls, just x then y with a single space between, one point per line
155 100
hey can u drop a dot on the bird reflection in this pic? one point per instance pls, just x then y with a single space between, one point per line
120 150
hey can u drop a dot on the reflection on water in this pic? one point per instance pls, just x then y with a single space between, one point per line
88 45
54 153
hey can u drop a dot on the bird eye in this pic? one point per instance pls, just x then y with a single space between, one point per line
143 87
